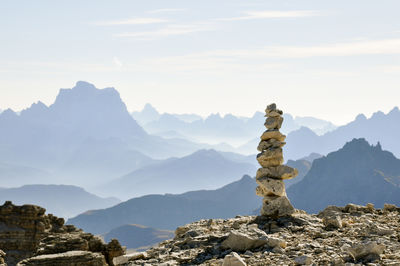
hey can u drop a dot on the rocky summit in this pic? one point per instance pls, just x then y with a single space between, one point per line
350 235
30 237
270 177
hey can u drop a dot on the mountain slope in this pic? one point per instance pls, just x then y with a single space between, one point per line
204 169
60 200
169 211
138 236
358 173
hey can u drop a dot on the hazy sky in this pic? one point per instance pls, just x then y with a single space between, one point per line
329 59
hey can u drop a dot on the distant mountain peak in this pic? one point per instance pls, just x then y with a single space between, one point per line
395 110
361 117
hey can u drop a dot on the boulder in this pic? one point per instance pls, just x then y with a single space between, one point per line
303 260
273 134
277 172
241 242
129 257
332 222
233 259
276 206
271 187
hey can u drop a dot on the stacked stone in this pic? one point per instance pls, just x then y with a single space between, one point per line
270 177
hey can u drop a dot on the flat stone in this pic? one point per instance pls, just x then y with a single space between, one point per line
241 242
273 134
270 157
276 206
129 257
271 143
271 187
273 122
274 113
233 259
70 258
277 172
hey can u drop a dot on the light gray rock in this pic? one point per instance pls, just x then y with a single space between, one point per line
129 257
241 242
70 258
233 259
332 222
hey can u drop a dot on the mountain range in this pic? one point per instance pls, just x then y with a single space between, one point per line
170 211
60 200
204 169
215 128
358 173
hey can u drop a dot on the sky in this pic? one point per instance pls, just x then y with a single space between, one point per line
327 59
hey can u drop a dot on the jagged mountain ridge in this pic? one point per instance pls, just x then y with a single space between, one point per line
357 173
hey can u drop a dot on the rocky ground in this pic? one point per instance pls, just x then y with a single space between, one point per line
347 235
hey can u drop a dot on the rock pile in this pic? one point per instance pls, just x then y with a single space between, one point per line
29 237
365 236
270 177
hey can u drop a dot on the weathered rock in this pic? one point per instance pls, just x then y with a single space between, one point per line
70 258
270 107
332 222
273 134
390 207
129 257
233 259
270 157
366 252
303 260
276 206
271 187
26 232
241 242
274 242
271 143
273 122
277 172
2 258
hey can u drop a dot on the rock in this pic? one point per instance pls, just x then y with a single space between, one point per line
271 187
273 122
332 222
390 207
366 252
273 134
241 242
277 172
270 157
129 257
276 206
276 242
303 260
70 258
270 107
233 259
271 143
26 232
2 257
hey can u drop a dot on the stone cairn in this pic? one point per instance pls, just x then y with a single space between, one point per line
270 177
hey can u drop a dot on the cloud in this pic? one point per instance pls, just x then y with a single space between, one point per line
117 62
270 14
131 21
169 30
366 47
166 10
